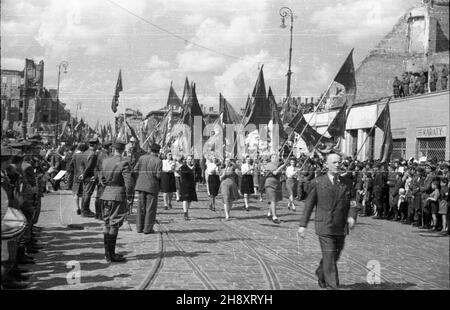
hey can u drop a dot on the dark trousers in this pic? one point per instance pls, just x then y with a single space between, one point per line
88 190
114 214
146 215
332 247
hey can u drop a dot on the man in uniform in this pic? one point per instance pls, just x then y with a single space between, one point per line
396 87
115 176
433 76
88 177
30 196
101 155
148 169
335 214
75 170
11 276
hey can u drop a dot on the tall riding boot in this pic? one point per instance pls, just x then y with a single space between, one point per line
112 245
113 239
106 244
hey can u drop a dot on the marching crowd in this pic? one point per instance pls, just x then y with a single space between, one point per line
409 192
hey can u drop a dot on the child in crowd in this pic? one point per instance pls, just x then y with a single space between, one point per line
443 204
434 202
402 205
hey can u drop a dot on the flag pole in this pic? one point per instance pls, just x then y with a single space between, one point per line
310 119
373 127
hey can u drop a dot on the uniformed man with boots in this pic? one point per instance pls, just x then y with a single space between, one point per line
102 154
13 226
116 178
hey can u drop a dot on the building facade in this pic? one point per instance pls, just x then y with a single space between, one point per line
419 122
41 104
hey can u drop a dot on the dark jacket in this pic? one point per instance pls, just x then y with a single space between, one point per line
116 176
332 204
88 164
148 170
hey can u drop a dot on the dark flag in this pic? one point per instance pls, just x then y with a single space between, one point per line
384 123
186 91
345 77
228 113
276 118
119 88
260 111
191 110
309 134
173 101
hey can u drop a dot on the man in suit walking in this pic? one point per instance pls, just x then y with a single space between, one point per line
89 177
335 205
149 169
115 176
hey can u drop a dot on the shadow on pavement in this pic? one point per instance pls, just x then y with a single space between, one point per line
54 282
382 286
200 231
211 241
169 254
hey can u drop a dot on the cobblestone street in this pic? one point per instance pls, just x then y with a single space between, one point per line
249 252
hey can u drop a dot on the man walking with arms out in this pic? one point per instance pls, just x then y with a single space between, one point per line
335 211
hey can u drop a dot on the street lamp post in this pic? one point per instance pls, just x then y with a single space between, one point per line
63 64
284 13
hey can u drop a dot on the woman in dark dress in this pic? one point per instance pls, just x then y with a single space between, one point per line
213 181
187 185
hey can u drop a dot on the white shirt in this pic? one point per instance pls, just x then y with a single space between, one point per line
212 167
291 172
168 165
245 168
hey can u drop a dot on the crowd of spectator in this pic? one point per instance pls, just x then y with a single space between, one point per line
420 82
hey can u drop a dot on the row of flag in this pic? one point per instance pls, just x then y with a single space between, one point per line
261 108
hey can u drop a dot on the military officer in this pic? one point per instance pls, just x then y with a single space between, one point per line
116 179
102 154
88 177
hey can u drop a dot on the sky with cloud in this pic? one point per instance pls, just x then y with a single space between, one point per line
97 38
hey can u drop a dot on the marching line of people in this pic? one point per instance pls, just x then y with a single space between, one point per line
406 191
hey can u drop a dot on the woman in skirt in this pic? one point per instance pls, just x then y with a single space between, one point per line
168 185
291 182
187 185
247 186
213 181
228 187
256 176
178 164
274 193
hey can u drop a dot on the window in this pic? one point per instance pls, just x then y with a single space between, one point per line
20 116
21 104
431 148
45 118
416 34
4 79
399 148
